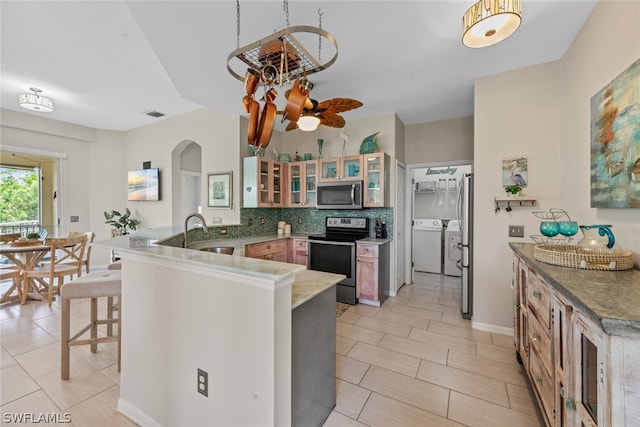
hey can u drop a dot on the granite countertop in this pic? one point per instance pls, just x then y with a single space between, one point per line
307 283
310 283
240 243
610 297
375 240
143 242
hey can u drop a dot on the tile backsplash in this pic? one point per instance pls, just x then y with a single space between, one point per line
262 221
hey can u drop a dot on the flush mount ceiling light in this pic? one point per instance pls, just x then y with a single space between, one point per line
33 101
490 21
308 123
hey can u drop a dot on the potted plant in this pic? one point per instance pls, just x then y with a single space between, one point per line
122 223
513 190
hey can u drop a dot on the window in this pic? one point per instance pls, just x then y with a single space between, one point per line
20 201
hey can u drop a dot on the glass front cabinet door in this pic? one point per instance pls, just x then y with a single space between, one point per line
302 184
262 183
591 374
376 180
347 168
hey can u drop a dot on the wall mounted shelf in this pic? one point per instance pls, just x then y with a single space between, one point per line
509 202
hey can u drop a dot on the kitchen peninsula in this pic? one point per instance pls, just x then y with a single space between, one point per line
244 321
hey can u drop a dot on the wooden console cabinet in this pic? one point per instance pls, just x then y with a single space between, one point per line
577 334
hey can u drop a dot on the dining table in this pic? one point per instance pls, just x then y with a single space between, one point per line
26 256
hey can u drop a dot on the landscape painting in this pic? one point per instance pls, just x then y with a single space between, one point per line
615 142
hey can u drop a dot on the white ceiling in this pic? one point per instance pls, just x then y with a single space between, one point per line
105 63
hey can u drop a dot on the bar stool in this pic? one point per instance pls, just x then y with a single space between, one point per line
97 284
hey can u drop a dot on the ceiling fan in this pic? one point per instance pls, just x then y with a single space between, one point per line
325 111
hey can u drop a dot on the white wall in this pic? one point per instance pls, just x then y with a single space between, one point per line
439 141
216 133
543 112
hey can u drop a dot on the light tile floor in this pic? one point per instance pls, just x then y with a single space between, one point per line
416 362
413 362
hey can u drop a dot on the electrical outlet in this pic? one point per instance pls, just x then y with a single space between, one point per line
250 222
75 218
261 221
516 231
223 231
203 382
299 220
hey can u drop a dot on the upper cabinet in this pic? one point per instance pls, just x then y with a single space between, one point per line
341 168
302 181
262 181
376 180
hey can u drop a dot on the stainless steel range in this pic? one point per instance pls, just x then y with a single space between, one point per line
335 252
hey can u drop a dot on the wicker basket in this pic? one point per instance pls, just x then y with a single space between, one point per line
584 257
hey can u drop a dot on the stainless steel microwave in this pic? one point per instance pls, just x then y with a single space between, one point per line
339 195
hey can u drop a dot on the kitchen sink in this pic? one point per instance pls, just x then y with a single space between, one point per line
227 250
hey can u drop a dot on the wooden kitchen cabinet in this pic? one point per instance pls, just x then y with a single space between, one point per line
273 250
299 251
262 181
348 168
372 272
301 184
376 180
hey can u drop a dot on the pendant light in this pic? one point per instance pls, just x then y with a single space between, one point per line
490 21
33 101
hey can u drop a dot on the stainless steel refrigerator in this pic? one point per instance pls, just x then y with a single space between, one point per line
465 216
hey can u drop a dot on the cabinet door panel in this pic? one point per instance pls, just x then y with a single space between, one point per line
367 280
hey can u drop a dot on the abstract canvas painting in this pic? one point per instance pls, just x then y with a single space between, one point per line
615 142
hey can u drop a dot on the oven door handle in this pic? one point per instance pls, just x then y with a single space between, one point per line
323 242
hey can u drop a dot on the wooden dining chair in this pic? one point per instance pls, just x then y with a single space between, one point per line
63 251
10 271
86 259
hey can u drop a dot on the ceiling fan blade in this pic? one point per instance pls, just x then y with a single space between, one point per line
339 105
332 120
291 126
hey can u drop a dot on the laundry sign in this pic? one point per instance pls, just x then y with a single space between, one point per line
441 171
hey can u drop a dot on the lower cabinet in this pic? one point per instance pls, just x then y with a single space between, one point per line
273 250
372 272
581 375
298 251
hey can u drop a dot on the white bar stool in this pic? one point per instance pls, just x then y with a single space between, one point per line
97 284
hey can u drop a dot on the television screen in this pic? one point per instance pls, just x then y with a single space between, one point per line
144 185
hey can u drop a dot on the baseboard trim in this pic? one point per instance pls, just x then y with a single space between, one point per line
492 328
136 415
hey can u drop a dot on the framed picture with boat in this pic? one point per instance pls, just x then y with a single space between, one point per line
615 142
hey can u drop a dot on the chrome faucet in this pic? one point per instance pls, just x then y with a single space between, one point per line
186 221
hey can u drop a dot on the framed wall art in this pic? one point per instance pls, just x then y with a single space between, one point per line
514 171
615 142
220 190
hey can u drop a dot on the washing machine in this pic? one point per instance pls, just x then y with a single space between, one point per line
452 249
427 245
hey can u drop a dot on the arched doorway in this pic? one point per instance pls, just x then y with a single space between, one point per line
186 180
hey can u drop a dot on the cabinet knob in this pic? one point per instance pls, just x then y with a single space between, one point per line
268 246
570 405
538 380
536 337
536 294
